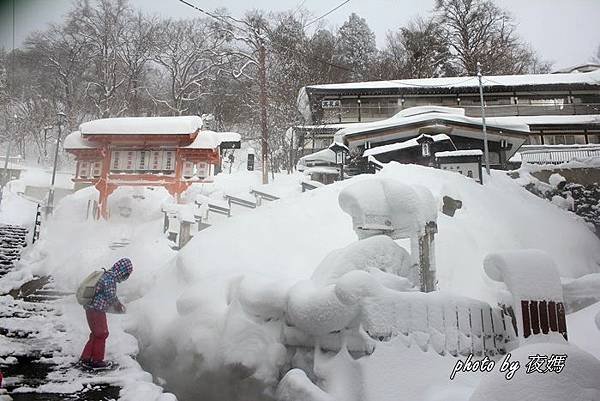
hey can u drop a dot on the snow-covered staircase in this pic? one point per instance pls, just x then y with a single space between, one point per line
32 335
12 241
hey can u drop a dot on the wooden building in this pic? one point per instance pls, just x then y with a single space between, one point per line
416 135
172 152
560 109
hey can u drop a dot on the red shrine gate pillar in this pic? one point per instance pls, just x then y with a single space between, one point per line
103 185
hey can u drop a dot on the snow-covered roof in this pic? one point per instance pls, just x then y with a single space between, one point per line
421 114
325 155
434 119
180 125
588 67
230 136
411 143
458 153
591 78
212 140
74 141
322 170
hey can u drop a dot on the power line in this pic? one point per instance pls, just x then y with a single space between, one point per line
211 15
327 13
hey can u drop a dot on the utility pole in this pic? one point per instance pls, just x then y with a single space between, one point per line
486 152
61 118
262 76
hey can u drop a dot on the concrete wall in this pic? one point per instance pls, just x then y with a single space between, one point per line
583 176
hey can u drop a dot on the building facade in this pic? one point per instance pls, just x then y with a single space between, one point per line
560 109
172 152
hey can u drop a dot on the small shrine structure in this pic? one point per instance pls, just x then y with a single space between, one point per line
171 152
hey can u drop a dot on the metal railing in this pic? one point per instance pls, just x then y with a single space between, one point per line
558 154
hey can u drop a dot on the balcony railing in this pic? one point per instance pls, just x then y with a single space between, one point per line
348 114
557 154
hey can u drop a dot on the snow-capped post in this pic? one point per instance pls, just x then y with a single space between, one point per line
388 207
485 139
536 295
341 152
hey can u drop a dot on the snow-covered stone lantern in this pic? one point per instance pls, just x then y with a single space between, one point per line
399 211
341 152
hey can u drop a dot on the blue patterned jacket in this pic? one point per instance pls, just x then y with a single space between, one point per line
106 289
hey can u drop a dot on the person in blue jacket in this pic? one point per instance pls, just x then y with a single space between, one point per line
104 301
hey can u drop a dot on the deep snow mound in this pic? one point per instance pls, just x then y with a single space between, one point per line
210 318
220 305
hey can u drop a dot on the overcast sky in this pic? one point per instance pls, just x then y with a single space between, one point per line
566 32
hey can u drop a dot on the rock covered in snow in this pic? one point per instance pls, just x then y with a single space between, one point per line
317 310
375 254
296 386
566 204
555 180
388 206
578 381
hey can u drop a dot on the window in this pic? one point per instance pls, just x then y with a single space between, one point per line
188 169
130 160
566 139
594 138
202 169
534 140
586 99
84 169
97 169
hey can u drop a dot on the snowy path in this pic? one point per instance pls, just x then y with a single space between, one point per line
41 334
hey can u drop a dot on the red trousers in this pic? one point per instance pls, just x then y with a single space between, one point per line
94 349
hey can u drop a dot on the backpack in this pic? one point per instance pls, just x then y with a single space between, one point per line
87 289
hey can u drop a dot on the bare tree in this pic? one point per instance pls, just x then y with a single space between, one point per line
480 31
60 55
139 46
189 58
103 28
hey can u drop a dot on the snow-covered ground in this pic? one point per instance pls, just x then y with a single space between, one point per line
210 318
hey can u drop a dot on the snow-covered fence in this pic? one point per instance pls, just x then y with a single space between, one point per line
260 196
235 200
449 324
443 323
